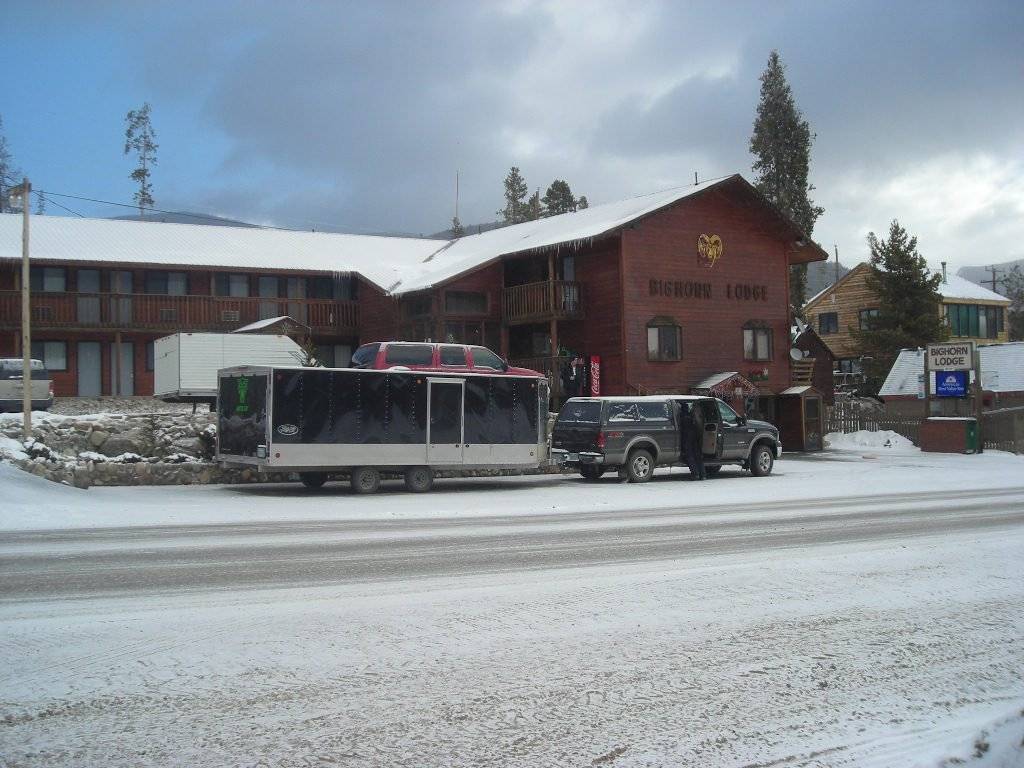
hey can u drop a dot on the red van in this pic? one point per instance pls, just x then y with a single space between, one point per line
429 356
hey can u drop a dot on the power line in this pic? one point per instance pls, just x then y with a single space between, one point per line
54 202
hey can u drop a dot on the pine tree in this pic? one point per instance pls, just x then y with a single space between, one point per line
1014 285
310 353
139 138
534 210
10 176
515 208
582 203
457 229
908 304
559 198
781 144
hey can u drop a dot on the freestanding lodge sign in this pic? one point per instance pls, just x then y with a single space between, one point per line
951 356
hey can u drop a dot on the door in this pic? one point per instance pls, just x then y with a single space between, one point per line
812 424
89 369
121 308
444 420
88 306
127 382
713 444
734 434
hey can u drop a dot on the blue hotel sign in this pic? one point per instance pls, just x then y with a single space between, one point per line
951 383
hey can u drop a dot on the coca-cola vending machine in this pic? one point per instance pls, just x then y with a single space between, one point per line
595 375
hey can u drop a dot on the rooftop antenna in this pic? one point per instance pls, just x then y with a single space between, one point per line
695 182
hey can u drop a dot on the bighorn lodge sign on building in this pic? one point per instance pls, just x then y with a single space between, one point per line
655 293
953 356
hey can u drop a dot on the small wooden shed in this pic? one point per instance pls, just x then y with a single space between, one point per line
801 418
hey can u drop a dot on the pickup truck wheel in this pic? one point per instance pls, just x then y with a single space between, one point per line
591 471
365 480
640 466
419 479
313 479
762 460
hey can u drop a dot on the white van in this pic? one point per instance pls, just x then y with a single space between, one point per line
12 388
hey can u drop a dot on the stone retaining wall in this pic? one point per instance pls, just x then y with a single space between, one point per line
142 449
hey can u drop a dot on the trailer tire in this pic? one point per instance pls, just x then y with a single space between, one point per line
419 479
365 480
639 466
313 480
591 471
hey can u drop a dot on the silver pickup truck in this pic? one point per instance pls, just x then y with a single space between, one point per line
12 385
633 435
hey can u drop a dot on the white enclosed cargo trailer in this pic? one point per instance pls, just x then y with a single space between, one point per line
186 364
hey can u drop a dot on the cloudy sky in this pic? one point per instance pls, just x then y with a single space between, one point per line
358 115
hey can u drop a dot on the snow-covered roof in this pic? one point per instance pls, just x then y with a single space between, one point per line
284 323
797 390
715 379
1002 370
396 264
956 288
473 251
382 260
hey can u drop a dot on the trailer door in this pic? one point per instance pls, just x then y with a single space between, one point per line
444 420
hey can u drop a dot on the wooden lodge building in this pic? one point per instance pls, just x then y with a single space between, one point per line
653 294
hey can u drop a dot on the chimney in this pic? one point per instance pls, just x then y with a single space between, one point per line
944 272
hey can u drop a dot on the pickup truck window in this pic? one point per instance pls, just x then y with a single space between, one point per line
729 416
623 412
585 412
654 411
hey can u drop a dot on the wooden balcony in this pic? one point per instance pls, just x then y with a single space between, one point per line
155 312
537 302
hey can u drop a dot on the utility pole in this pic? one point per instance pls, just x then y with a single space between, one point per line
993 281
24 191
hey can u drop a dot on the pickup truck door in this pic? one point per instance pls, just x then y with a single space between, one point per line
713 445
734 434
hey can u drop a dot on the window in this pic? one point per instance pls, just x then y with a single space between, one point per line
231 284
484 358
54 354
47 279
409 354
866 319
654 411
972 320
150 356
757 342
828 322
365 356
334 355
727 414
465 303
664 340
620 412
417 306
586 411
452 355
166 283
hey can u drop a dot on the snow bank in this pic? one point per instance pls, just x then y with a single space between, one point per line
883 438
997 745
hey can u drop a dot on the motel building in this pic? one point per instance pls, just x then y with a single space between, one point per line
684 290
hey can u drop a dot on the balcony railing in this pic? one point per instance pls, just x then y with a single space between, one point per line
535 302
173 313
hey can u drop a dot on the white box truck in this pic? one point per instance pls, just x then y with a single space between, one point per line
186 364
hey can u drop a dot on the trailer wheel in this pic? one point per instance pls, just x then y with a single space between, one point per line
591 471
419 479
365 480
313 479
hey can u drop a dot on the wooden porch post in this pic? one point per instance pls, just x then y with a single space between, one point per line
116 389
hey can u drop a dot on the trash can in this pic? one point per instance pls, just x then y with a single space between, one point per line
971 438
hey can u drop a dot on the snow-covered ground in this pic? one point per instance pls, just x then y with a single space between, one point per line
867 611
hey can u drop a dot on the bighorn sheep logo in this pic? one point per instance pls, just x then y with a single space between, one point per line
710 249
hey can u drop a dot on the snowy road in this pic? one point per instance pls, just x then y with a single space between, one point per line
129 561
522 621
